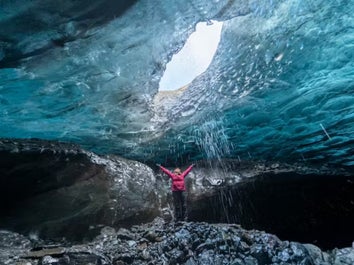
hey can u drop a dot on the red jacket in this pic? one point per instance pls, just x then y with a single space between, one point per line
177 180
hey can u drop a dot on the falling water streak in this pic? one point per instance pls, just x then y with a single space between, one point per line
223 197
241 210
230 198
323 128
212 140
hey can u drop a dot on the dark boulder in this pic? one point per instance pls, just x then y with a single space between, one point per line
54 190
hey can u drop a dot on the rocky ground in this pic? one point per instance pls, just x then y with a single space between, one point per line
160 242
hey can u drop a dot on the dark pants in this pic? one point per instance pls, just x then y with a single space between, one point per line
179 201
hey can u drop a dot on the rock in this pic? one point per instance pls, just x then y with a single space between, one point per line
124 233
343 256
48 260
119 262
316 254
13 245
57 190
152 236
45 252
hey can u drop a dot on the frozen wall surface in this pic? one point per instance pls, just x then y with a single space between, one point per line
280 86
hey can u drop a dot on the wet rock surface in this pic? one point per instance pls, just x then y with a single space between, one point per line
160 242
59 190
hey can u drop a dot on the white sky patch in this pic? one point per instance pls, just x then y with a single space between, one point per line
194 58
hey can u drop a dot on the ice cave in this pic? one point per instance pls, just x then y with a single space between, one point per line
268 122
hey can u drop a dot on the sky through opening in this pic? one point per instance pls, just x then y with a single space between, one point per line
194 58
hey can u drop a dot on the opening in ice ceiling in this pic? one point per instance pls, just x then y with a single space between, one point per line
194 58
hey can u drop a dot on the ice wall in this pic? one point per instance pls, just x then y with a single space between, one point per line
279 87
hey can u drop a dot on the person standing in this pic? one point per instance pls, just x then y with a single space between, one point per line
178 190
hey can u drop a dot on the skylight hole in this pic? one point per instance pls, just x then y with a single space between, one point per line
194 58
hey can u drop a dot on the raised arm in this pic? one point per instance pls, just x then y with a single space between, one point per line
185 173
165 170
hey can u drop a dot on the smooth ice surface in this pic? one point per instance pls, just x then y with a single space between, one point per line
280 86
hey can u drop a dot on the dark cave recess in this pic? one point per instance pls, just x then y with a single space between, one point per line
317 209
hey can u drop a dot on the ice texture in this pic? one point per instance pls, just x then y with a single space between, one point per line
280 86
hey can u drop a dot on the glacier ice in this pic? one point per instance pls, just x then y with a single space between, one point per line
89 74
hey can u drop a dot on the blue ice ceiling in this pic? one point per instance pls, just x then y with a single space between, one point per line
280 86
